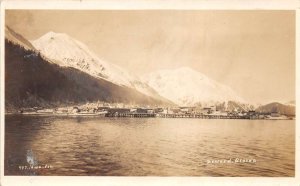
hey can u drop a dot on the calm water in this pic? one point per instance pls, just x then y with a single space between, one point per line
148 147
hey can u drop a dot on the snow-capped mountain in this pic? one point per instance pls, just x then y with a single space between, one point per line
69 52
185 86
34 81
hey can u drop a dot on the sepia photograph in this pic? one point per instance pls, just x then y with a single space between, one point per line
205 93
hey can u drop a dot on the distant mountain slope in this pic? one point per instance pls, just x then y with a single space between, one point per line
291 103
17 39
185 86
234 106
31 80
69 52
277 107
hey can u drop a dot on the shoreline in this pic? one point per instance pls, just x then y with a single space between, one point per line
152 116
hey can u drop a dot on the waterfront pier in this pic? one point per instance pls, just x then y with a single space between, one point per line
131 115
160 115
201 116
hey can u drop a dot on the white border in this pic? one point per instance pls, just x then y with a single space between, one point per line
137 5
2 91
153 4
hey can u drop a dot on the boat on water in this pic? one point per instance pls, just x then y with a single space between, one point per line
277 117
85 114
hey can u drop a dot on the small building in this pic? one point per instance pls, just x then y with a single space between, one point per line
75 110
251 113
175 110
62 110
275 114
206 110
187 109
158 110
46 111
133 110
150 111
219 113
118 110
103 108
27 110
167 111
213 108
141 110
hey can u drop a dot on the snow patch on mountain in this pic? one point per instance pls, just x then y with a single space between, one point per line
69 52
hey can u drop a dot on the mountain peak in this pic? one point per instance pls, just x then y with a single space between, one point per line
62 47
55 35
186 87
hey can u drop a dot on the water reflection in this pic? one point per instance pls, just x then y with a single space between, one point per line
149 146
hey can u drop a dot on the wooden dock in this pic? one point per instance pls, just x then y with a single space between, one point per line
160 115
131 115
201 116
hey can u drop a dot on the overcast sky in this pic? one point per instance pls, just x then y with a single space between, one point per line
253 52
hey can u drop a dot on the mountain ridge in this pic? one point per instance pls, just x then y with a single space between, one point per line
32 80
23 60
16 38
277 107
189 87
64 50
